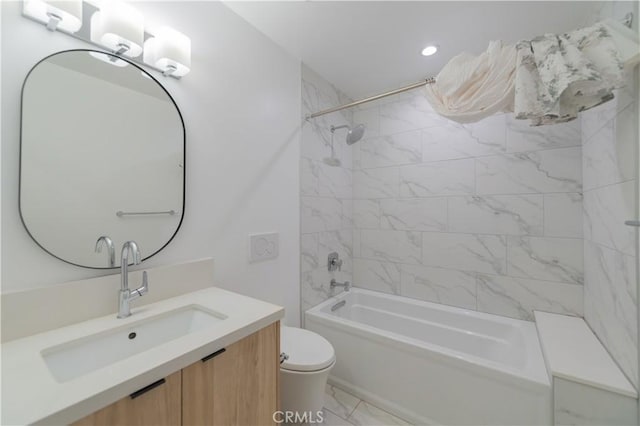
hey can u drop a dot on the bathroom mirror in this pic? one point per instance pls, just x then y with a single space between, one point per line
102 155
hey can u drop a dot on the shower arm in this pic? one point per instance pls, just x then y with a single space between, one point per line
422 83
334 128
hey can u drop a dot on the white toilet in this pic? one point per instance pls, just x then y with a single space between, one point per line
303 375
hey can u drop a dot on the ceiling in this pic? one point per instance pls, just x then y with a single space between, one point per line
367 47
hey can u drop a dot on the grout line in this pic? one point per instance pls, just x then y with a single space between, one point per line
468 271
481 234
360 401
378 408
470 195
336 414
483 156
585 190
354 407
616 250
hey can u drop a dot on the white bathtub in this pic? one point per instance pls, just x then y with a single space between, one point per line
435 364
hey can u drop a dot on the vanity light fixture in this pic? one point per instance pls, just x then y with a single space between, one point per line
169 50
65 15
119 27
109 59
429 50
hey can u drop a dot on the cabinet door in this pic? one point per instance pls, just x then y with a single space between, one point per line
158 404
236 387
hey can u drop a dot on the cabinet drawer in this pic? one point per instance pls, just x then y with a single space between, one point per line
157 404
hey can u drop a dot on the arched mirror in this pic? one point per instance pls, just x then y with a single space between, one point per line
102 158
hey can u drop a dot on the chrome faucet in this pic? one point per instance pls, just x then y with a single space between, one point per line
125 295
346 284
111 251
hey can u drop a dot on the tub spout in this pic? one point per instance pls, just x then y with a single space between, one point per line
346 284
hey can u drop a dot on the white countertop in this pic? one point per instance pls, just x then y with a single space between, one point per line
30 394
574 353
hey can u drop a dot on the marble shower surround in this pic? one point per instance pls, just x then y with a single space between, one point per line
610 138
326 220
485 216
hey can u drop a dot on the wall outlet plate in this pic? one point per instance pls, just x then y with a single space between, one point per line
263 247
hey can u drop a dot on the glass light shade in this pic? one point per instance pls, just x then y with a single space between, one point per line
118 24
169 50
109 59
69 12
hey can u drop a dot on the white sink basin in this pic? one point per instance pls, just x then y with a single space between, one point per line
79 357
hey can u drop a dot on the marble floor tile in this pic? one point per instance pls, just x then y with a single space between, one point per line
331 419
366 414
339 402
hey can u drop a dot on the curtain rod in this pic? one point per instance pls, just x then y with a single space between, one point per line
429 80
627 21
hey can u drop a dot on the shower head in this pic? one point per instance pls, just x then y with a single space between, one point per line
354 134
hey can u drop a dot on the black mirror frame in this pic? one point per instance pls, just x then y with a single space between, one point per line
184 155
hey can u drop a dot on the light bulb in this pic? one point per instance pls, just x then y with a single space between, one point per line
429 50
119 27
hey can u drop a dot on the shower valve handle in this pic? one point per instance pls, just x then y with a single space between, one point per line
334 262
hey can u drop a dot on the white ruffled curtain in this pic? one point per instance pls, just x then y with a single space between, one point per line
547 80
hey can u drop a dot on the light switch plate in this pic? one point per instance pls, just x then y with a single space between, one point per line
263 247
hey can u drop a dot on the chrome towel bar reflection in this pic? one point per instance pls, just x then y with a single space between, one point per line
120 213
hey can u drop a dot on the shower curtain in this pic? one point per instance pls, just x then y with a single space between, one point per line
547 80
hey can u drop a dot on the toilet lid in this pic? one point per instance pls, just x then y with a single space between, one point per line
308 351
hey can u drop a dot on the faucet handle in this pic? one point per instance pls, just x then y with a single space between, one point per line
145 285
334 262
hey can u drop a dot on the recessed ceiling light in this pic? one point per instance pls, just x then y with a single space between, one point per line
429 50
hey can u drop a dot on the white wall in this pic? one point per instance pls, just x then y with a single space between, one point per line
241 106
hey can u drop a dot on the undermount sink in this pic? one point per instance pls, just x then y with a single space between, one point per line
79 357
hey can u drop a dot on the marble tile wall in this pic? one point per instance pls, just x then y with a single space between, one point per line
494 216
610 140
485 216
578 404
326 219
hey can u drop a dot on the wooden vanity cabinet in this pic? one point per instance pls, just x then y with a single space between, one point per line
158 404
237 385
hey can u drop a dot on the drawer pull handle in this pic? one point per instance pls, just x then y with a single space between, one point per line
147 388
213 355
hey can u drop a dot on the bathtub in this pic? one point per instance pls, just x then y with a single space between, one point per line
435 364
